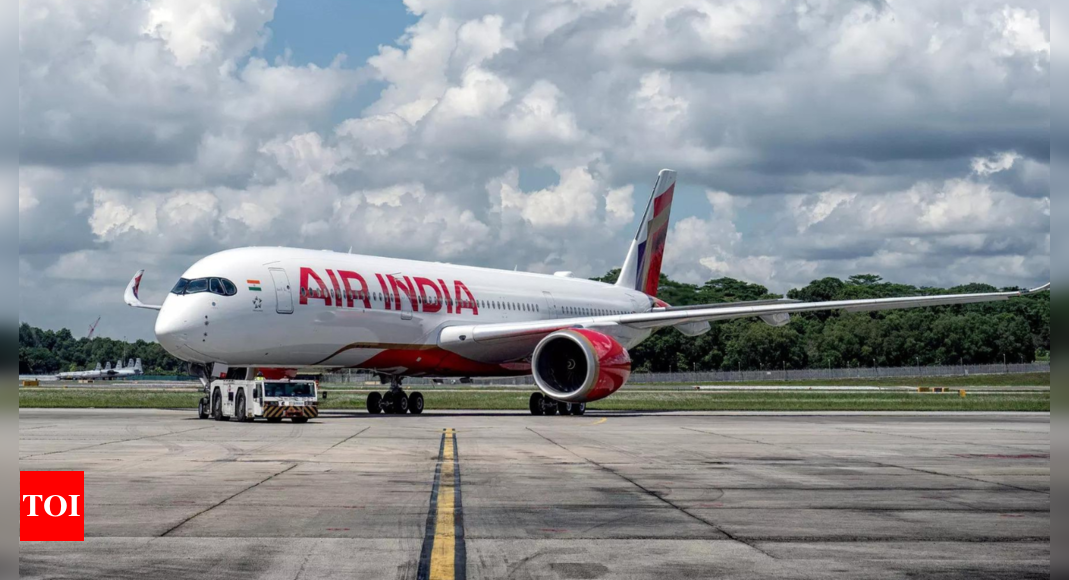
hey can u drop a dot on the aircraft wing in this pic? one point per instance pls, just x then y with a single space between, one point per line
132 291
628 323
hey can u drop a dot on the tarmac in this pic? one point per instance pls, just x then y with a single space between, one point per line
506 495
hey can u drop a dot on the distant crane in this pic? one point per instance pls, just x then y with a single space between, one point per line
93 328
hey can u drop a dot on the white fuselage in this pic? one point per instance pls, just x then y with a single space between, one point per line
301 308
98 374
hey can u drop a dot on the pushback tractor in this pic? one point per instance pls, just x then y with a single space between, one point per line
273 400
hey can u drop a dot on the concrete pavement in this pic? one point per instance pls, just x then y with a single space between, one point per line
624 495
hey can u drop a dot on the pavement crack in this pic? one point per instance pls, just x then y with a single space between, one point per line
111 443
962 477
929 439
343 442
876 463
659 497
247 489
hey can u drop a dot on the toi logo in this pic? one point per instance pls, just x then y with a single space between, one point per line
52 506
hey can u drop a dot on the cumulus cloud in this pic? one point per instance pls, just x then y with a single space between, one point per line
989 165
911 138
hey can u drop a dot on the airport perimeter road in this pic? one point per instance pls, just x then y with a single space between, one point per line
484 495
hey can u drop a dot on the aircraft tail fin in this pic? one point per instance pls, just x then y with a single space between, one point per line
642 267
107 367
99 368
137 367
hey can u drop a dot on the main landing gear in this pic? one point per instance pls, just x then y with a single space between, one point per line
543 405
395 401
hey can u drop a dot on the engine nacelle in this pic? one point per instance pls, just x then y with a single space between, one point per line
580 366
777 320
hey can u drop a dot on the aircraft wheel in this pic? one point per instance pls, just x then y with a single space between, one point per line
549 407
564 409
374 403
202 409
415 403
578 409
536 404
400 404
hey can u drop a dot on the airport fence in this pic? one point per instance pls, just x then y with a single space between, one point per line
782 375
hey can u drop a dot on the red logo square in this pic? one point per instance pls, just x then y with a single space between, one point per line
52 506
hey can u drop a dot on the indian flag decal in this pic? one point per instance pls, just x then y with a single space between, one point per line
254 285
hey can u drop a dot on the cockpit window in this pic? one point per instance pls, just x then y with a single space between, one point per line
197 286
180 287
219 286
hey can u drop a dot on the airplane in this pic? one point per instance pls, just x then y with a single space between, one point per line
276 311
106 373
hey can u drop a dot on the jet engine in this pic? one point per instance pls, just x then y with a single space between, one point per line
580 366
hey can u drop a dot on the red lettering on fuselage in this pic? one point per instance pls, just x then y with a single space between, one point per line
429 304
423 293
397 286
448 299
385 291
307 274
469 302
352 295
337 289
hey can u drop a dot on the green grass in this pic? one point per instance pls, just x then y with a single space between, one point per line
624 401
1021 380
107 399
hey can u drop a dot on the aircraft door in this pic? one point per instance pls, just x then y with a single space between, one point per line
283 293
406 308
551 305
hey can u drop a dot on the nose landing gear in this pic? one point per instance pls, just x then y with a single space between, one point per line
395 401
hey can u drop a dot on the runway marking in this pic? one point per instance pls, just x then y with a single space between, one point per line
599 422
444 554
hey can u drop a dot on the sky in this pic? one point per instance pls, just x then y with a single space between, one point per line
813 138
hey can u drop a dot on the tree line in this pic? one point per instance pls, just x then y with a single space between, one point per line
1015 331
56 351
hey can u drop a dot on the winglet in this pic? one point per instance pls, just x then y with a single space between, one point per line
1044 288
133 289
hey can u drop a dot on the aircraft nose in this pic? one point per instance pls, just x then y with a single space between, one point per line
173 328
